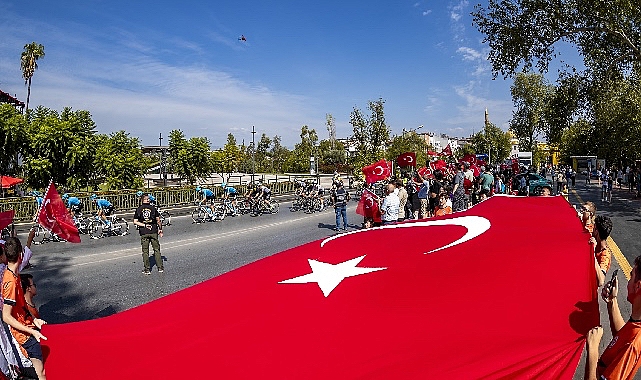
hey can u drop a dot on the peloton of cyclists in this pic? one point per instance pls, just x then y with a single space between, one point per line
206 196
105 208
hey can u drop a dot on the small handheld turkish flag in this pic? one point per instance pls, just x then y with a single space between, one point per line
426 172
447 151
54 217
6 218
368 206
406 159
377 171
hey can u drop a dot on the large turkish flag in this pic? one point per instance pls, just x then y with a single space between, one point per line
377 171
475 294
53 216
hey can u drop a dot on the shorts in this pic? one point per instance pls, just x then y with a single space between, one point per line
33 348
484 191
108 210
210 198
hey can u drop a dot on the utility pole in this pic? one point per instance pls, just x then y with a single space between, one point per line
163 161
253 153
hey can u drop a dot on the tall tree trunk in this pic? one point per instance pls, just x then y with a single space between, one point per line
28 95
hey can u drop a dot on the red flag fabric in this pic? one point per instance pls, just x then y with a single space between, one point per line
6 218
53 216
444 298
475 169
426 172
368 206
406 159
447 151
377 171
432 153
469 158
7 181
515 166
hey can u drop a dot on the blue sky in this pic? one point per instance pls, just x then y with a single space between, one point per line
153 66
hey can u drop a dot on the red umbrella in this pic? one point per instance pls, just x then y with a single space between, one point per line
7 181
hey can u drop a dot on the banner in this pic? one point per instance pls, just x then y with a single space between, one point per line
406 159
377 171
54 217
453 297
368 206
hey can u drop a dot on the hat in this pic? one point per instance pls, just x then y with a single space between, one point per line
65 196
197 188
93 196
139 194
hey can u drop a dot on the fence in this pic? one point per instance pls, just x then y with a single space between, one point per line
126 200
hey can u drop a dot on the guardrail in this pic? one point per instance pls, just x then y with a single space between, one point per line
126 200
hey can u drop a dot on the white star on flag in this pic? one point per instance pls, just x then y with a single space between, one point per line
328 276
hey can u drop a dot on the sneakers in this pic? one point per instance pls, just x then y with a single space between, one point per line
146 271
161 270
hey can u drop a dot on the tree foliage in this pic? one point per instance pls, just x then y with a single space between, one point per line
371 133
190 159
526 33
493 141
299 159
29 64
13 138
120 160
530 95
408 142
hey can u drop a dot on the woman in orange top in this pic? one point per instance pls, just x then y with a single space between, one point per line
442 208
602 255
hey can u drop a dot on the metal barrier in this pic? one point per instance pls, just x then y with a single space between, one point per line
126 200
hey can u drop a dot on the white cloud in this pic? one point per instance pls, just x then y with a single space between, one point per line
469 54
427 12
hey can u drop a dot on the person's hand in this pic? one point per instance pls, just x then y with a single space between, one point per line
592 241
39 322
160 233
594 336
610 290
36 334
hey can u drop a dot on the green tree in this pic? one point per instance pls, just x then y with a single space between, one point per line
371 133
527 33
493 141
279 155
577 140
29 64
13 138
120 160
61 147
408 142
228 159
332 156
190 159
530 95
263 154
299 160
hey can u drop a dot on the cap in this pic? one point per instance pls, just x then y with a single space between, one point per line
139 194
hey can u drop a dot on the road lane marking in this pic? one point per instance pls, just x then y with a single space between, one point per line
613 247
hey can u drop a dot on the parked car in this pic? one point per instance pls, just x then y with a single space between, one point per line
537 183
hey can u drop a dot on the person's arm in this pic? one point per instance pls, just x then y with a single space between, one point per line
592 349
159 223
609 295
11 321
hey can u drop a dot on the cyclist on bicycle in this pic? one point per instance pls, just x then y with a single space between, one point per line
207 196
74 205
316 191
230 194
39 200
264 195
105 208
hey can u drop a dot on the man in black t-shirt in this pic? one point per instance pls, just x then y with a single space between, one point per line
147 219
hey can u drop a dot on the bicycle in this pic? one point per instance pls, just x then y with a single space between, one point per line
204 213
264 206
97 228
81 223
165 216
42 235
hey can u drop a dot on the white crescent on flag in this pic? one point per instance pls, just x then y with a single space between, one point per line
476 225
379 167
409 159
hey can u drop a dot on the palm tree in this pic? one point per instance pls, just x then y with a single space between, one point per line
29 63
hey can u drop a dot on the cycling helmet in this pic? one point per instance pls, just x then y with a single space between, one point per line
36 193
198 188
224 184
139 194
65 196
93 196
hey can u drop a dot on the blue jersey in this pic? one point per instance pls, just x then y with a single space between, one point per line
40 200
208 193
73 201
103 203
231 191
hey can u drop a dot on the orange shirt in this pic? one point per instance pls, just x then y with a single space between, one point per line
620 360
33 311
589 227
442 211
13 295
603 257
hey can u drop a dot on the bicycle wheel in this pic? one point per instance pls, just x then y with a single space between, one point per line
165 218
41 235
95 229
274 207
120 227
295 205
219 212
198 215
5 234
318 205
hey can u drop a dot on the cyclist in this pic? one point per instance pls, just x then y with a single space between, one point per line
230 194
316 191
264 195
207 196
39 200
74 205
105 208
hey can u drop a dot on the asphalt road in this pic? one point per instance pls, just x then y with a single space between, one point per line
101 277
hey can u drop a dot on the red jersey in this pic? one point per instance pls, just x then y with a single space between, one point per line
620 360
